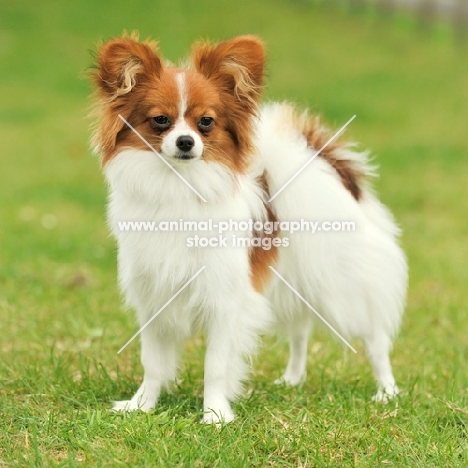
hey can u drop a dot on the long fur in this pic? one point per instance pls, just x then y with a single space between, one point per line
357 280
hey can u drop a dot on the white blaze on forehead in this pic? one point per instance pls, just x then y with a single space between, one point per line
181 126
180 77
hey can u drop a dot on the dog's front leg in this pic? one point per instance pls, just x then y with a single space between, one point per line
219 354
231 339
159 359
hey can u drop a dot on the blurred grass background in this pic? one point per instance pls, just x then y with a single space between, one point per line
61 318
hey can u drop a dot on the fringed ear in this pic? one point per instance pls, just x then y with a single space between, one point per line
122 62
236 66
123 65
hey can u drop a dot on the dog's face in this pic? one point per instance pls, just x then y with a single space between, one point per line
181 116
200 113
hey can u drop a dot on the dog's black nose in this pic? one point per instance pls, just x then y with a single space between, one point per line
185 143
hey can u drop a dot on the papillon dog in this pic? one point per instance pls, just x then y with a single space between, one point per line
192 143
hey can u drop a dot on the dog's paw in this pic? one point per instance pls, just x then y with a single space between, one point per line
218 417
385 394
126 406
290 380
281 381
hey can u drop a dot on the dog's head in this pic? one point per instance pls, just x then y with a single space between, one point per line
201 112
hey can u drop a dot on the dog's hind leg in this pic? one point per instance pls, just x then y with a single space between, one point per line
298 332
378 348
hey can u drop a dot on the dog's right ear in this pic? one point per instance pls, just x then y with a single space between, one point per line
122 63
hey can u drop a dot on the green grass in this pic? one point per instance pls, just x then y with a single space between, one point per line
61 316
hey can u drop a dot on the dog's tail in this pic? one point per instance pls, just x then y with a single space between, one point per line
352 167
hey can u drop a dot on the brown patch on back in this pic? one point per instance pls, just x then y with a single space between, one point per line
317 136
260 259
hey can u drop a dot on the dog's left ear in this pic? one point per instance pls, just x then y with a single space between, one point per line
237 66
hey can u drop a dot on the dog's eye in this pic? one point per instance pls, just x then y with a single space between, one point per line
205 124
161 122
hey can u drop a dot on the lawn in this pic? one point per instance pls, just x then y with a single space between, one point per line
61 316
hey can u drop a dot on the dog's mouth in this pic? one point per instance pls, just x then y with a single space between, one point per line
185 156
182 156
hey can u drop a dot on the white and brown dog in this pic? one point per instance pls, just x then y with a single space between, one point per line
205 120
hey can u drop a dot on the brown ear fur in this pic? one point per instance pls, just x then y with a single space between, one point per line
122 61
122 64
237 66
